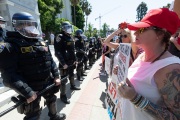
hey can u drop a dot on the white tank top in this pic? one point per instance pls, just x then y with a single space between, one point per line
141 75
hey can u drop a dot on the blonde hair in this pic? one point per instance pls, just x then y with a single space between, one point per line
130 34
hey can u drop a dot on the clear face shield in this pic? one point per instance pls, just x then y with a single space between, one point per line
27 28
68 29
84 37
2 24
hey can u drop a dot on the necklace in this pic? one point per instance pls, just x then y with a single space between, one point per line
151 58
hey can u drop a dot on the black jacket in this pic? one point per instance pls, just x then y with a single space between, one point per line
26 64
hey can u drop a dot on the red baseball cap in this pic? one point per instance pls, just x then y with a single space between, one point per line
162 18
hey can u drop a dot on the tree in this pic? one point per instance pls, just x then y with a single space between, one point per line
48 10
74 4
79 16
95 32
167 6
141 11
88 11
86 8
104 30
89 31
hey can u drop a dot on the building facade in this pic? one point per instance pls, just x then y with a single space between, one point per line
9 7
66 11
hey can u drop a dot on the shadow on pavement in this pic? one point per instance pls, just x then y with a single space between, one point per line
102 98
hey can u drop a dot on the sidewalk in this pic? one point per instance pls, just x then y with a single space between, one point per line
86 104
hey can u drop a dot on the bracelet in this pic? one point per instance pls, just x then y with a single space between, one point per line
145 106
142 103
139 101
136 99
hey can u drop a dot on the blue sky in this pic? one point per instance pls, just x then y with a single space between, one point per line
117 11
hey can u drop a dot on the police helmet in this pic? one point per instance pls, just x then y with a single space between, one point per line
25 24
67 27
2 22
84 37
79 32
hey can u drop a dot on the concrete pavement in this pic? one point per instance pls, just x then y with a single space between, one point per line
86 104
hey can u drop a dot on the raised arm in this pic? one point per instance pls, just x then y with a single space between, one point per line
108 39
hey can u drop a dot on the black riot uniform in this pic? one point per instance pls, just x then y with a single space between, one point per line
91 55
27 67
65 52
80 54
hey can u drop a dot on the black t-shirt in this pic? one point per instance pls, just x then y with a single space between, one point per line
105 49
173 50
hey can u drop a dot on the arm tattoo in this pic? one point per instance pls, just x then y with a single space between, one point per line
170 93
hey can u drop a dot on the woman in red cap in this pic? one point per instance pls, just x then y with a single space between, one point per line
152 89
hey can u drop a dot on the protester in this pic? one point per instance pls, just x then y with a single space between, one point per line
174 47
126 37
105 53
152 89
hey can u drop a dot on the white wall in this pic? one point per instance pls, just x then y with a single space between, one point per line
66 11
9 7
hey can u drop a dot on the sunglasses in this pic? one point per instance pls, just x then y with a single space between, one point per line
123 36
141 30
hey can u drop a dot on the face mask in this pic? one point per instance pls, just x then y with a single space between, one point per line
69 31
2 25
32 29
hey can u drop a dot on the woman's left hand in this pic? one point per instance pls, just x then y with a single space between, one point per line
126 90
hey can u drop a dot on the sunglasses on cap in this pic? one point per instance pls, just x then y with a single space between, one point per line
123 36
141 30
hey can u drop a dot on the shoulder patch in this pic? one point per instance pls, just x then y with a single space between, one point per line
2 46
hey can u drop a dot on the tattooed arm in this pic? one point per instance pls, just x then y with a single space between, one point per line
168 83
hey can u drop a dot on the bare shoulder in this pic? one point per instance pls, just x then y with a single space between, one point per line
167 73
168 83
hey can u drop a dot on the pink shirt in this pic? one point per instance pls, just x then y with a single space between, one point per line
141 75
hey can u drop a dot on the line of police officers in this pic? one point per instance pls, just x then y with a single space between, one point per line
27 66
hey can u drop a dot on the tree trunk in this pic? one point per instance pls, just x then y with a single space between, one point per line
86 23
74 15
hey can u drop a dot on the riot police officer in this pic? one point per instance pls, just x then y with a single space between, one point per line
27 67
2 29
64 51
80 53
91 53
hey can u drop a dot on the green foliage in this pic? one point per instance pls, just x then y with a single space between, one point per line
86 7
74 2
48 10
79 16
89 31
95 32
104 30
141 11
167 6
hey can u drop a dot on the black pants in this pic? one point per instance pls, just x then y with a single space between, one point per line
64 72
32 110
